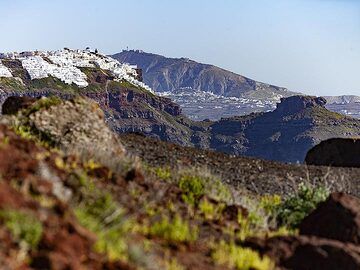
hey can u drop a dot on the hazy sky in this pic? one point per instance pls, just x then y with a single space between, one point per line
311 46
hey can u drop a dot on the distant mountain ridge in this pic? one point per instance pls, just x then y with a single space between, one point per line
170 74
284 134
209 92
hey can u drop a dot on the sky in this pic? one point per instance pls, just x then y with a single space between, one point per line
310 46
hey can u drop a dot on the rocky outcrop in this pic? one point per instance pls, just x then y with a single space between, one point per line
336 152
337 218
296 104
285 134
304 253
329 238
14 104
76 125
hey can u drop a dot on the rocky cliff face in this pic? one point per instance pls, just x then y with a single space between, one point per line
285 134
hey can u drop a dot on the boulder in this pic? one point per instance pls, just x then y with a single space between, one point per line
305 252
76 126
14 104
337 152
337 218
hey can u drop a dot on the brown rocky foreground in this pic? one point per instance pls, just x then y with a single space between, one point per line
256 175
329 238
65 210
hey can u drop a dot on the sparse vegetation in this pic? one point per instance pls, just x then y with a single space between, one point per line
210 210
24 226
240 258
297 206
196 182
43 103
163 173
173 230
105 218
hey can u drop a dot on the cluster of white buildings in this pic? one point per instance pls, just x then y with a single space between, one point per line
65 65
4 71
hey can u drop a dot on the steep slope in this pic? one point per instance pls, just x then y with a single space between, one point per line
208 92
169 74
189 84
285 134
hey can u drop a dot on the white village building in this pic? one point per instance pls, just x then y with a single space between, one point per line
65 65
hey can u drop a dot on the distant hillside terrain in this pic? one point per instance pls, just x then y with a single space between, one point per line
208 92
169 74
204 91
285 134
348 105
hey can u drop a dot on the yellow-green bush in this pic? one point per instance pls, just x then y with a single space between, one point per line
211 210
195 183
240 258
103 216
175 230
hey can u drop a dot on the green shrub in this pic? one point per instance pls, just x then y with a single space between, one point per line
270 204
23 226
103 216
163 173
196 183
296 207
210 210
193 188
173 231
236 257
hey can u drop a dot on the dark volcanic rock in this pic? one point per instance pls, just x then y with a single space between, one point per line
337 218
337 152
304 253
14 104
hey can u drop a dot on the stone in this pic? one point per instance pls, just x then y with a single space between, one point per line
304 252
336 152
337 218
14 104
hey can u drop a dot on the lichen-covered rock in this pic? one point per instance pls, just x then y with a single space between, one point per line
77 125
